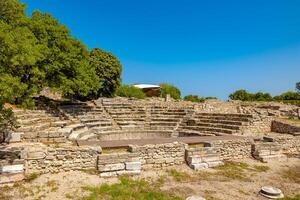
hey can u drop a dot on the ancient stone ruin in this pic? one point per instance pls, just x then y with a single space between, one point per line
117 136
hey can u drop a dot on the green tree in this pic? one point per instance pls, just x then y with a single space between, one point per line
193 98
12 11
288 96
7 121
260 96
173 91
130 91
66 61
298 87
108 69
241 95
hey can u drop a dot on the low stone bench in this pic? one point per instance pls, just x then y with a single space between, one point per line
268 151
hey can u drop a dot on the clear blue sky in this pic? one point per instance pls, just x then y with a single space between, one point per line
205 47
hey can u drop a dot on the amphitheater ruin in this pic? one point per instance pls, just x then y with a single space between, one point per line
117 136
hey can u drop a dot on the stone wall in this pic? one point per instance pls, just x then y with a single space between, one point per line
233 149
160 155
290 144
202 157
119 164
282 127
44 159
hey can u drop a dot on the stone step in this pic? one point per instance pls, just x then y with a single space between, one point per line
76 133
163 123
98 124
238 123
216 125
164 119
238 119
76 126
34 127
225 115
218 130
191 133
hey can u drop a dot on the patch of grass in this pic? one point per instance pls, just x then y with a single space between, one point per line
261 168
31 177
292 174
234 170
53 185
179 176
297 197
129 189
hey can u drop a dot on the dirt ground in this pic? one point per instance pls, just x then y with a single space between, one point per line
212 184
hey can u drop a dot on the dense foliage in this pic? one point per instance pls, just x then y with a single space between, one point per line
298 87
7 121
243 95
108 69
130 91
38 52
196 98
173 91
286 97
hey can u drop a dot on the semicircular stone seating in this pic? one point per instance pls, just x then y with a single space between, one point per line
121 119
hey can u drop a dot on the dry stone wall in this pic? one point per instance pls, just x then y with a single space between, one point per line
290 144
282 127
43 159
233 149
160 155
119 164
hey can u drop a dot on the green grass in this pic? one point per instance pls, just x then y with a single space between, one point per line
129 189
297 197
31 177
179 176
292 174
261 168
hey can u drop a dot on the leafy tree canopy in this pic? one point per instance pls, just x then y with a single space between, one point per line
243 95
173 91
298 87
108 69
130 91
193 98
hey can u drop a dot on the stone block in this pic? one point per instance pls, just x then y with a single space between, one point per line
125 172
108 174
11 178
133 166
14 137
210 158
111 167
36 155
12 168
194 159
199 166
215 163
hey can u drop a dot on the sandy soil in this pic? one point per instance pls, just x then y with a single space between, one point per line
68 185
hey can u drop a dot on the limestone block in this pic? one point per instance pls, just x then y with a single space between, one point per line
12 168
125 172
210 158
108 174
194 159
111 167
11 178
14 137
215 163
199 166
133 166
36 155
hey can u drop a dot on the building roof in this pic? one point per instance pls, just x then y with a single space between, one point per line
146 86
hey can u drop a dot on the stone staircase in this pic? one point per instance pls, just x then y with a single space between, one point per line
268 151
126 115
206 124
39 126
88 119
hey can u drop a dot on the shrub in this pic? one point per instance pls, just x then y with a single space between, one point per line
7 121
193 98
288 96
244 95
298 87
173 91
130 91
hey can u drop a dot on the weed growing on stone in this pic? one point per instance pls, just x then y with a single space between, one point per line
31 177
